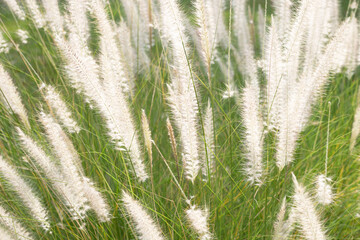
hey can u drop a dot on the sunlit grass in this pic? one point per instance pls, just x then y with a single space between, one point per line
237 209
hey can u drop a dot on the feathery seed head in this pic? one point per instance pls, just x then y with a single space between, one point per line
305 213
198 220
53 16
14 7
282 226
208 164
96 201
323 190
9 221
35 12
11 96
73 199
182 97
26 194
147 132
60 109
23 35
144 224
4 45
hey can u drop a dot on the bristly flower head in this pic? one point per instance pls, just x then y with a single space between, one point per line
306 215
198 220
323 190
4 45
23 35
14 6
282 226
144 224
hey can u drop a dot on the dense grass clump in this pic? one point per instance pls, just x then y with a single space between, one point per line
177 119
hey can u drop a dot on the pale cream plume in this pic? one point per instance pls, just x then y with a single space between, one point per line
199 221
26 194
76 203
282 226
72 169
306 215
9 221
60 108
4 45
14 6
11 96
35 12
145 226
182 97
209 163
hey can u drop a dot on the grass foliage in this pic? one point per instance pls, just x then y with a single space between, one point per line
237 210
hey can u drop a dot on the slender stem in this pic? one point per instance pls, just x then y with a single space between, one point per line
172 174
327 140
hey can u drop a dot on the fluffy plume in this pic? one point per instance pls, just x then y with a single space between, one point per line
335 18
71 168
69 161
80 65
207 30
208 165
104 90
77 20
11 96
294 37
282 226
279 230
306 216
34 10
198 220
53 16
353 48
128 52
146 20
132 15
138 17
60 109
356 125
250 97
145 11
211 31
147 133
359 48
25 192
282 14
5 234
216 12
4 45
304 93
144 224
23 35
182 97
318 27
76 203
111 66
96 201
15 8
253 134
261 23
246 60
116 110
10 222
276 89
323 190
230 90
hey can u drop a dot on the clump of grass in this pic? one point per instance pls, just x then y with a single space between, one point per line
179 120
